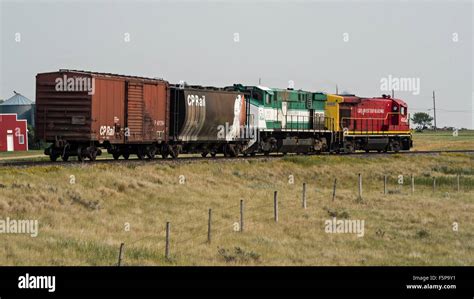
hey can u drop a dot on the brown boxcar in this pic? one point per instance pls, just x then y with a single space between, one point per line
81 112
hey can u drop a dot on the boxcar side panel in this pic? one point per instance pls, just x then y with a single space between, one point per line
62 112
155 97
108 104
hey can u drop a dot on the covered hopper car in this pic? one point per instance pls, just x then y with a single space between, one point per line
207 120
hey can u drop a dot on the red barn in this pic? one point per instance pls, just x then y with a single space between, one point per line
13 133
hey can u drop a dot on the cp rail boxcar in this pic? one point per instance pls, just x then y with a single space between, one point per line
207 120
80 112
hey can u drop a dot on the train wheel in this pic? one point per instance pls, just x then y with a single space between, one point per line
53 157
267 153
348 148
204 154
65 157
231 150
164 155
92 152
116 155
237 151
140 154
213 154
151 153
174 153
396 146
126 156
93 156
80 155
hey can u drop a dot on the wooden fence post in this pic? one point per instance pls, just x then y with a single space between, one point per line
412 184
120 257
459 186
167 247
434 185
275 206
241 215
209 227
334 190
304 195
384 184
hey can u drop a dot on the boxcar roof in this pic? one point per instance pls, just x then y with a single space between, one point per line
110 75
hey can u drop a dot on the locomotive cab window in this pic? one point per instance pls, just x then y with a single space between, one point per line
267 99
258 96
403 111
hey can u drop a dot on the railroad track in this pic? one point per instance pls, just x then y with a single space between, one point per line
26 163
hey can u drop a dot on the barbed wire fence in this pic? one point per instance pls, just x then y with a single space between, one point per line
235 218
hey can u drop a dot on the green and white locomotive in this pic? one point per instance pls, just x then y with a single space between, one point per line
285 120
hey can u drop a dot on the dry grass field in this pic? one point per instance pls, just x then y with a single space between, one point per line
443 140
86 211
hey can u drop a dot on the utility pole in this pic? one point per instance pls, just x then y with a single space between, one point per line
434 109
393 94
259 81
337 90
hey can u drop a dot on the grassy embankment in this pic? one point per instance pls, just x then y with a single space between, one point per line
85 222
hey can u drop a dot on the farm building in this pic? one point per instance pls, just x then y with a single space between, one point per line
20 105
13 133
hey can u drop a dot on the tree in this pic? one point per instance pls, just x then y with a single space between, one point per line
33 143
422 120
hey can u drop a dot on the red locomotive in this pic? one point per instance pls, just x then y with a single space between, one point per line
374 124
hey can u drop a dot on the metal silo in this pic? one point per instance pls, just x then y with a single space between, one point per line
20 105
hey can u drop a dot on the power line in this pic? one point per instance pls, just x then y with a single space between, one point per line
434 109
443 110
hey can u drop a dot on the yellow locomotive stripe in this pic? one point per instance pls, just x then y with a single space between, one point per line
378 133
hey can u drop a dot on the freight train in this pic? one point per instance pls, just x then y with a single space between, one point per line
82 113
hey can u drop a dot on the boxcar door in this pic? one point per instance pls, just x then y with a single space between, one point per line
134 112
154 116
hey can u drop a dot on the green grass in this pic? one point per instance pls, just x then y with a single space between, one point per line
20 154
